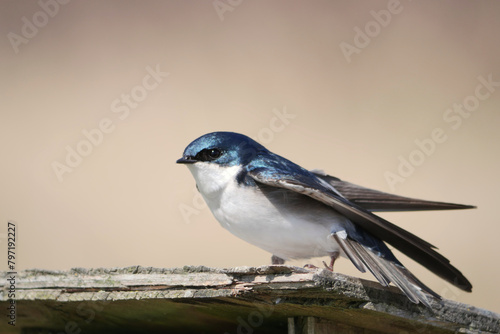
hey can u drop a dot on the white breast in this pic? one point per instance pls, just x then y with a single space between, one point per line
243 210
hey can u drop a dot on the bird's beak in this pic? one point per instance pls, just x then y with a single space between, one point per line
186 160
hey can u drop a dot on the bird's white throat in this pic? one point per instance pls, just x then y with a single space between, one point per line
211 179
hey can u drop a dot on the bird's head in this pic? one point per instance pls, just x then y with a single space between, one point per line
216 159
225 149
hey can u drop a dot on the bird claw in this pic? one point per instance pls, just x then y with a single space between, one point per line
329 267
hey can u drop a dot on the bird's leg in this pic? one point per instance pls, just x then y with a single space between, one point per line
333 256
277 260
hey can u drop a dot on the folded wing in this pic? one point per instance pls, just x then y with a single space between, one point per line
284 174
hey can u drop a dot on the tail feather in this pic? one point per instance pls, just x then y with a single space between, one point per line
385 271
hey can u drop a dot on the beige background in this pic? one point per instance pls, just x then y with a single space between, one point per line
122 205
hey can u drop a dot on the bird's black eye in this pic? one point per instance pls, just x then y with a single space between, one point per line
208 154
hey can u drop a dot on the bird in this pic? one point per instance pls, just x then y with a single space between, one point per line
295 213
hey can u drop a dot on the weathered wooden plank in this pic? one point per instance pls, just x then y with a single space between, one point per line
199 299
116 281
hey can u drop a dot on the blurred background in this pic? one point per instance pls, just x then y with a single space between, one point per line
99 98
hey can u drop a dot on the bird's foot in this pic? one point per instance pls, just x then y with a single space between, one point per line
329 267
310 266
333 256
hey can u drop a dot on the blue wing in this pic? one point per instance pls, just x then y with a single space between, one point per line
276 171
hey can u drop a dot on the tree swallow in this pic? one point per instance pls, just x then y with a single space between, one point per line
294 213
